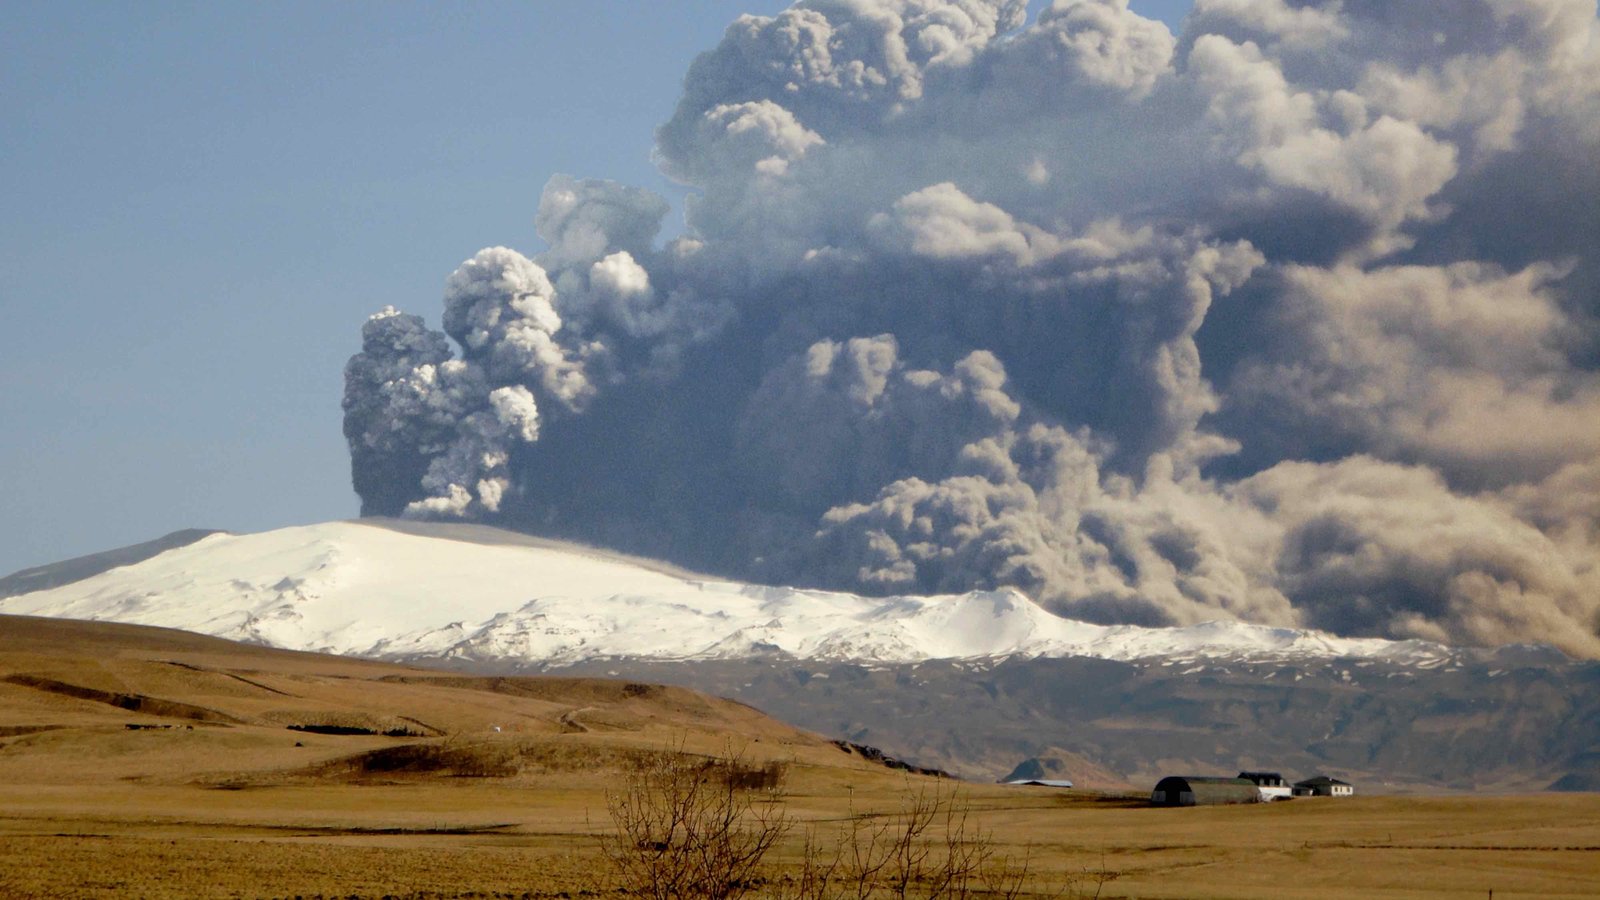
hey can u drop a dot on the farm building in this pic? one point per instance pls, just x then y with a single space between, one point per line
1323 786
1270 784
1203 790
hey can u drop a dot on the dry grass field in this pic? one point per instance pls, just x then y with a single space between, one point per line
148 763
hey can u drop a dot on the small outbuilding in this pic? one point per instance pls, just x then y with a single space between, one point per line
1323 786
1043 782
1270 784
1203 790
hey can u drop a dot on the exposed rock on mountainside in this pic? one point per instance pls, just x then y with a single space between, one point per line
1465 725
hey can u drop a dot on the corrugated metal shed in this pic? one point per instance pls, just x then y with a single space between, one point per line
1203 790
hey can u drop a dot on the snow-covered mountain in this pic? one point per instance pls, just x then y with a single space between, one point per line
407 591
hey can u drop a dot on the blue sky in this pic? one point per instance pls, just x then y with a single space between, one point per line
203 202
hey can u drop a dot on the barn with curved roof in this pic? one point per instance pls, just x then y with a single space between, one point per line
1203 790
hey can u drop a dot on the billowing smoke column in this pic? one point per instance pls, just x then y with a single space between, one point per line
1293 317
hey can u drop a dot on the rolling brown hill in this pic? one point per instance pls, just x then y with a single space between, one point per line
150 704
145 762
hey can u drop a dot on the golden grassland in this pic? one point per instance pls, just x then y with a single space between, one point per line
215 796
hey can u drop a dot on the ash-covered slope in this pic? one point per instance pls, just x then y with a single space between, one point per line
470 593
1508 720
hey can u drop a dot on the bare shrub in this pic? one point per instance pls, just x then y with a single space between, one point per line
686 826
692 827
932 849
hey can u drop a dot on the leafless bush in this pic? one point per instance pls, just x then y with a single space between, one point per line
696 827
932 849
689 827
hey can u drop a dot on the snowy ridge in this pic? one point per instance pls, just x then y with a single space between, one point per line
362 589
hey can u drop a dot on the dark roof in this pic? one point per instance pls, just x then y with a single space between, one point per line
1263 776
1320 779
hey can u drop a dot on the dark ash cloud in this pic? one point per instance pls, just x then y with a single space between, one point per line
1290 317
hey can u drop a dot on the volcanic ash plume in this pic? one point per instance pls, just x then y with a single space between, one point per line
1293 317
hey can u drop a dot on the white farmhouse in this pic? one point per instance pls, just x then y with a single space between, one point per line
1323 786
1270 784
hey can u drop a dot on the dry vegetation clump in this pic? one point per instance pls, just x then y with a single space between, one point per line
549 757
348 730
695 827
692 827
7 731
512 757
344 722
932 848
464 760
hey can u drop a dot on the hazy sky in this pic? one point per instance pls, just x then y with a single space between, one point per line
203 202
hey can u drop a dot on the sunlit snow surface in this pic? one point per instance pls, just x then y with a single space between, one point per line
363 589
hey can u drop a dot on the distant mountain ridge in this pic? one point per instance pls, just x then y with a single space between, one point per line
972 683
406 590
